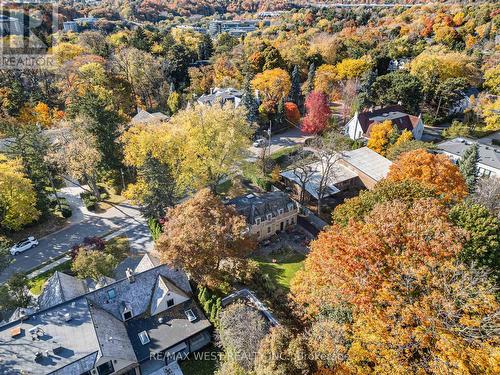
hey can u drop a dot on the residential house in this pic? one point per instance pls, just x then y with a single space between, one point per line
397 64
465 101
222 96
489 154
369 166
144 117
354 170
137 325
361 124
267 213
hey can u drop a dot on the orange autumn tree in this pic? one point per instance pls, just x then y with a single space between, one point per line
434 171
205 238
388 295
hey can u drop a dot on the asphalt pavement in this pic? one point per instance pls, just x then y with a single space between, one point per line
83 224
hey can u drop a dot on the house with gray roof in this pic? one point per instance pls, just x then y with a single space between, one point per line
267 213
136 325
489 154
221 96
144 117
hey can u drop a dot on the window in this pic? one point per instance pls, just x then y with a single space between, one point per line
268 229
170 302
269 216
127 315
106 368
143 336
257 221
290 206
280 211
292 221
111 294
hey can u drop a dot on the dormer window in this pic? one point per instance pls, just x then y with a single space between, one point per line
280 211
269 217
290 206
257 221
127 315
170 302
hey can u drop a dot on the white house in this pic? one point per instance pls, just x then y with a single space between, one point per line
361 124
489 155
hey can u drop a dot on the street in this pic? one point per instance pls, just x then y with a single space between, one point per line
83 224
290 138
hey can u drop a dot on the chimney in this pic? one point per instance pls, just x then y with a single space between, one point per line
130 275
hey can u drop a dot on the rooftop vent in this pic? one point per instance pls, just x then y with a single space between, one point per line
67 317
250 196
160 320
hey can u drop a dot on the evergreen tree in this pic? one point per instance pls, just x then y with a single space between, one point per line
295 94
161 188
310 78
103 124
205 48
139 40
280 114
468 166
249 102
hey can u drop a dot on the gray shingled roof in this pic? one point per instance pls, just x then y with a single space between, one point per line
95 327
488 154
60 288
144 117
259 205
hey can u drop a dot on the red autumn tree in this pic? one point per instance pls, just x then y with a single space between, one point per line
292 112
318 113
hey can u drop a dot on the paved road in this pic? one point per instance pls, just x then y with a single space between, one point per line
84 224
291 137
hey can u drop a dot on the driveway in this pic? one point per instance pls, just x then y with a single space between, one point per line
84 224
290 138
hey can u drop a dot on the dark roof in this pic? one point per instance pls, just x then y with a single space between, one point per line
174 329
489 155
395 113
259 205
95 326
60 288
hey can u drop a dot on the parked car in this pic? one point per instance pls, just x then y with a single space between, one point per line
261 142
24 245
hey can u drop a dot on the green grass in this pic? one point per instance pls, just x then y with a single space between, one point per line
36 284
283 268
205 364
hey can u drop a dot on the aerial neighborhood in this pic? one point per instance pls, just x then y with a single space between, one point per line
241 187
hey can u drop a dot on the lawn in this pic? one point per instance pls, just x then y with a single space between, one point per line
203 362
36 284
281 266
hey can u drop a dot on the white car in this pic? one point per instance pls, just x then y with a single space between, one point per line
24 245
261 142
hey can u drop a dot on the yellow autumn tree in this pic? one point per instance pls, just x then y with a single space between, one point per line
325 80
17 195
353 68
380 135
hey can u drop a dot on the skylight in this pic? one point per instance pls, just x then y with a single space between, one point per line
190 315
143 336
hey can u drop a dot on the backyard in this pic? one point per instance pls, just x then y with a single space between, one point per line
281 265
203 362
